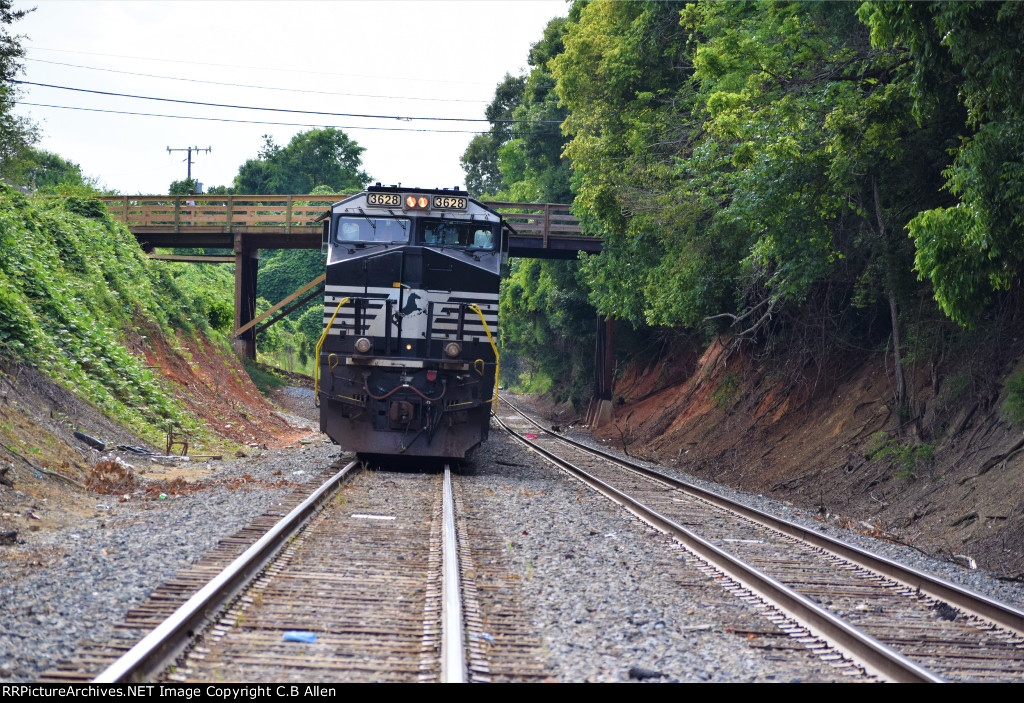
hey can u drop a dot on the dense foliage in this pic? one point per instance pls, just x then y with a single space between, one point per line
758 167
547 325
16 133
480 161
967 56
39 170
73 288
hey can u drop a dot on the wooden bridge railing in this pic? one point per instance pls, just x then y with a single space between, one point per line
175 212
219 211
544 219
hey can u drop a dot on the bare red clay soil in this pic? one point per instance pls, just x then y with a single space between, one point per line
213 385
52 478
947 481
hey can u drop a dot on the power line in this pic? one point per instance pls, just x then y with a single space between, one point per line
278 124
416 79
257 87
282 109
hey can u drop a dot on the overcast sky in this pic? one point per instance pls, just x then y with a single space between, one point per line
424 58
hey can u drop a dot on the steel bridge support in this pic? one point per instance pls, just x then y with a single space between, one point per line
246 263
600 410
248 222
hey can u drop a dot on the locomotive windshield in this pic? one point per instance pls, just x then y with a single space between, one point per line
454 233
373 229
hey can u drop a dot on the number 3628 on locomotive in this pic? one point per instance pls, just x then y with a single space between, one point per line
408 359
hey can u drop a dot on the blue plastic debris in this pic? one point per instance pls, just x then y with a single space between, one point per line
299 636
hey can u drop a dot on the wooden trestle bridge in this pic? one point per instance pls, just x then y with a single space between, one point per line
244 224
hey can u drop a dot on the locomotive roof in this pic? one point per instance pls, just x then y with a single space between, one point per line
475 206
378 188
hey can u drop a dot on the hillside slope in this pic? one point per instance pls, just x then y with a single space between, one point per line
97 339
946 480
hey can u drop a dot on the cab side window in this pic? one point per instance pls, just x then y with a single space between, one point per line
483 238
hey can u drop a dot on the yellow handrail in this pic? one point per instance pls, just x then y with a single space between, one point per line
497 358
474 307
319 345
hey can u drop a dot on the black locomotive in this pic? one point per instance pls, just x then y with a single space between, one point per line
408 359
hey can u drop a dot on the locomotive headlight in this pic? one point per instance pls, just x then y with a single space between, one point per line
413 202
363 345
452 349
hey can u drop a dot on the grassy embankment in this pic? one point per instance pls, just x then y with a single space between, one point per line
80 302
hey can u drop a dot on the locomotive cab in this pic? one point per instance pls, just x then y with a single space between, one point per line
408 361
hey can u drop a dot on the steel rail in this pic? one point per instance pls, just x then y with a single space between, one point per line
869 652
165 643
959 596
453 642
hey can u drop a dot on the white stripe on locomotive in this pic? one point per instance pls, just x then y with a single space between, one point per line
413 324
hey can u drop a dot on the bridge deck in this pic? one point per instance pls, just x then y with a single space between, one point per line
542 230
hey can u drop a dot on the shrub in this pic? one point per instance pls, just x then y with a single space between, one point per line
907 456
1014 404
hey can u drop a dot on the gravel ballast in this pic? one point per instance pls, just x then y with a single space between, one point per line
60 588
613 599
1009 592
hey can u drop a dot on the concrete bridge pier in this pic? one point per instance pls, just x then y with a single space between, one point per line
247 260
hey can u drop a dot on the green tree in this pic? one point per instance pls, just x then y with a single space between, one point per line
547 324
624 77
183 187
480 160
531 161
750 166
16 133
318 157
316 161
37 169
967 61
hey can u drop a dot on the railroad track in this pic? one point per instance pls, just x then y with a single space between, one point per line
369 579
895 622
92 657
353 597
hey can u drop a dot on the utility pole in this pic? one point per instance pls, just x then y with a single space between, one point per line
189 158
